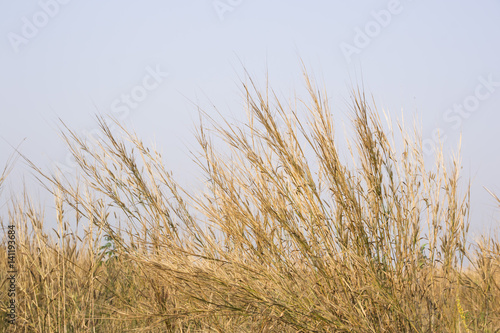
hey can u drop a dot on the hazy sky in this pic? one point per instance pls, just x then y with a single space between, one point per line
147 62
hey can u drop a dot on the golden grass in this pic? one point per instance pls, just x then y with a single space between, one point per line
376 244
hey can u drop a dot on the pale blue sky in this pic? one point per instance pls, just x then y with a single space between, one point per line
62 59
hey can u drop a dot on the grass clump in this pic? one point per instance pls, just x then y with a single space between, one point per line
286 236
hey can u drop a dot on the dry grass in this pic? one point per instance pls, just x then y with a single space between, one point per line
375 244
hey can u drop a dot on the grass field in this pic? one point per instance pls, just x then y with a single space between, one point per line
279 240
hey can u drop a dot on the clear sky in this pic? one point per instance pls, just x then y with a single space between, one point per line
147 62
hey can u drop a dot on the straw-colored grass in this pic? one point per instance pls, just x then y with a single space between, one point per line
285 237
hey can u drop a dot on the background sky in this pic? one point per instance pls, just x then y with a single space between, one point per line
149 63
